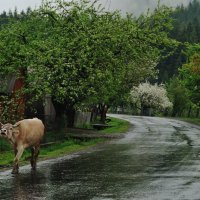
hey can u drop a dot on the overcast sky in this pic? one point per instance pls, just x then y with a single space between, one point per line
133 6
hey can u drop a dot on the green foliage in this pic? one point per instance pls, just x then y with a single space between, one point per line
186 28
191 120
187 23
4 145
82 55
117 126
50 151
190 74
168 67
10 109
66 147
178 95
184 90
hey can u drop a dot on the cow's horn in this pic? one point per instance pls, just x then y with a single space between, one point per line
16 125
1 124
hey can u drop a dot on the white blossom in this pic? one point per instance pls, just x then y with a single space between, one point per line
152 96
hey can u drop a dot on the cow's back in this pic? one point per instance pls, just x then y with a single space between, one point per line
31 131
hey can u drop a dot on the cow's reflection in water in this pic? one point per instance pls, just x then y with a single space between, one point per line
29 186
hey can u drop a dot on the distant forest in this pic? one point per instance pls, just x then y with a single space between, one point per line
187 23
186 29
5 17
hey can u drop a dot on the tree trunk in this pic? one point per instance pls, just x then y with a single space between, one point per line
174 111
70 114
60 115
145 111
189 111
103 111
94 113
197 113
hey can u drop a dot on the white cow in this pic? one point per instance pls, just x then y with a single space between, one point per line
23 134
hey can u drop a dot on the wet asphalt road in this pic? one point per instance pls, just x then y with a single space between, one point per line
159 159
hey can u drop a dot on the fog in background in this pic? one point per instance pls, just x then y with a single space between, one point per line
133 6
136 7
6 5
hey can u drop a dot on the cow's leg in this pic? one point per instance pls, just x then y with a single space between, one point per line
19 151
16 165
32 156
15 150
35 153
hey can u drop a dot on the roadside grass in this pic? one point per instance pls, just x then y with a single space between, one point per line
56 143
195 121
117 126
66 147
54 150
6 158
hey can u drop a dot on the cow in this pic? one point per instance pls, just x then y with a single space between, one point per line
23 134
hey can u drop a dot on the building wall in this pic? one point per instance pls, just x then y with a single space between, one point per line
82 119
11 101
19 98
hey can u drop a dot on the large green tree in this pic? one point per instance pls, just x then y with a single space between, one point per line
82 55
178 95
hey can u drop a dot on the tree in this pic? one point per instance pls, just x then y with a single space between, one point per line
75 53
150 96
178 95
81 55
151 44
190 74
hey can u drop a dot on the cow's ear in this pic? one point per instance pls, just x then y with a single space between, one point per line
1 124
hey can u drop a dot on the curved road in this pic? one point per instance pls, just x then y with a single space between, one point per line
158 159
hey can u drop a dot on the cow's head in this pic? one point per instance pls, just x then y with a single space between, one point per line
6 130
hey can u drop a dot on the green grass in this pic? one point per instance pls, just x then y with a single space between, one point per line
191 120
6 158
61 145
117 126
66 147
50 151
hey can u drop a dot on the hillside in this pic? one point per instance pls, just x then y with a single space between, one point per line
186 29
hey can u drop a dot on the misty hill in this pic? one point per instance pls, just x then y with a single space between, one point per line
187 23
186 29
136 7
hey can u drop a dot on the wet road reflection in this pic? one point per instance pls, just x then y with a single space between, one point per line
158 159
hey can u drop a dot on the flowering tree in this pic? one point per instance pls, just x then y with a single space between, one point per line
150 96
82 55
